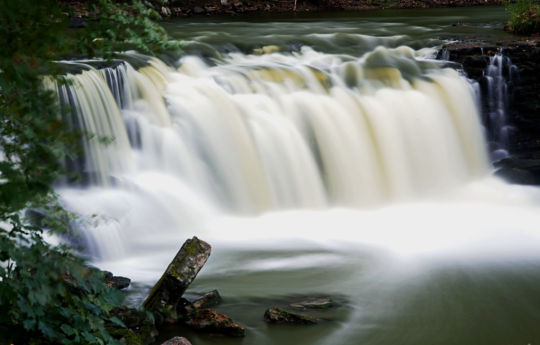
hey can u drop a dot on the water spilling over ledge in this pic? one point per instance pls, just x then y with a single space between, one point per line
309 172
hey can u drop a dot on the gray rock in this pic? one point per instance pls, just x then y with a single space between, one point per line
179 274
209 321
280 316
209 299
177 341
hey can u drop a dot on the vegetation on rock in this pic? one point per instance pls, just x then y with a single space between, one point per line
524 16
47 294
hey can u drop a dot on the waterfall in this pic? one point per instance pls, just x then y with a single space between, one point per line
498 74
259 132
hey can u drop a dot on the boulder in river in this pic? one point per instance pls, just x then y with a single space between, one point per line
177 341
210 321
178 276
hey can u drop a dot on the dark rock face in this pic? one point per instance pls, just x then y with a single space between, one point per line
179 274
209 321
280 316
177 341
524 100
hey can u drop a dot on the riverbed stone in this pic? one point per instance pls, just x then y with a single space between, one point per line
209 321
280 316
178 276
209 299
177 341
313 303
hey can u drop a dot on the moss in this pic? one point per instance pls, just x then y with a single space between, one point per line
127 336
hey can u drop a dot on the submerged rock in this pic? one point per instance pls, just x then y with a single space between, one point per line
178 276
313 303
280 316
177 341
210 321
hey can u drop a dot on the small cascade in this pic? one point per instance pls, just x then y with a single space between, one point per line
499 75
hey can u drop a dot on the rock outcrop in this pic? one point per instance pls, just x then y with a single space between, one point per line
524 100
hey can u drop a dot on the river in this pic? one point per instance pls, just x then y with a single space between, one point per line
320 155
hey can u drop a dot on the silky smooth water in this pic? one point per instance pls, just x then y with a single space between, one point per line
318 156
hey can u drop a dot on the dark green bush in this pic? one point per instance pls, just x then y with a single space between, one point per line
524 16
47 294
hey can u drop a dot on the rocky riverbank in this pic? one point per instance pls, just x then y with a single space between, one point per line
237 7
523 89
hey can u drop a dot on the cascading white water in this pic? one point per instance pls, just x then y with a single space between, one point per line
498 73
278 131
310 173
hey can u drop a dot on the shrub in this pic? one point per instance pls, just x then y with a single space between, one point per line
524 16
47 294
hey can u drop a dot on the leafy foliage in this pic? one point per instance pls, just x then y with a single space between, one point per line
524 16
47 294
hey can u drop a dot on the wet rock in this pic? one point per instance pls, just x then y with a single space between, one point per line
107 275
522 171
119 283
209 321
208 300
313 303
177 341
523 117
198 10
280 316
517 175
179 274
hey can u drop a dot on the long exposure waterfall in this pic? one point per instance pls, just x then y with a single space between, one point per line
278 131
335 164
